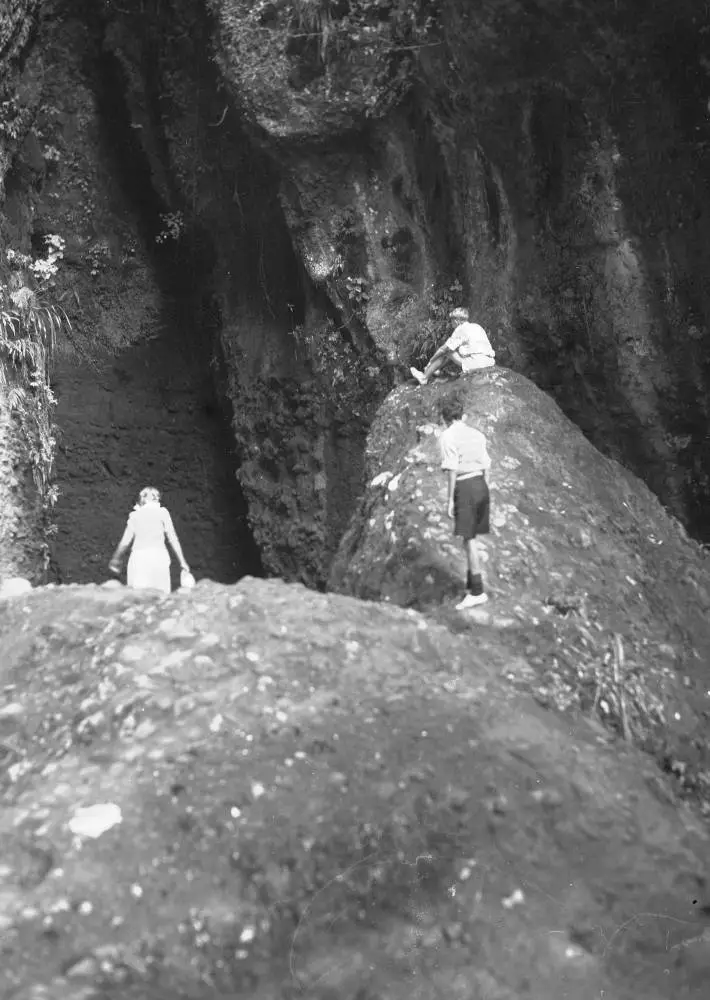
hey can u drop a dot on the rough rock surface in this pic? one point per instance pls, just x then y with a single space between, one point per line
579 551
353 174
60 181
474 172
319 796
337 175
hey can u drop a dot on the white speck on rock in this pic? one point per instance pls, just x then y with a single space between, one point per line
93 821
12 710
394 483
133 654
257 789
516 898
145 729
247 935
83 968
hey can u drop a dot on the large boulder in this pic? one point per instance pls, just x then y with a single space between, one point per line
580 551
262 791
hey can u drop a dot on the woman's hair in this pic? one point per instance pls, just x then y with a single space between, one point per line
148 494
460 312
452 407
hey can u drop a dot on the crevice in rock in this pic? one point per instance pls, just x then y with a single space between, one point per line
156 413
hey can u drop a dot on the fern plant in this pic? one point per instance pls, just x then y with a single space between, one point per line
28 338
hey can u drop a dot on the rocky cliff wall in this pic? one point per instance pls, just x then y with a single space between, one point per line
134 375
340 174
543 165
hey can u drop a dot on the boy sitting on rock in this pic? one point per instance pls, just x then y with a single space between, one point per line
468 347
464 457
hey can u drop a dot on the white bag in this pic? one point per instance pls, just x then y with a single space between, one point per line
187 580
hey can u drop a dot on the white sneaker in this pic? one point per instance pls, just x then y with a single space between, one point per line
471 601
419 376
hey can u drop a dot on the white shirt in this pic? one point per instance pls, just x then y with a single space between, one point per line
470 339
149 524
463 450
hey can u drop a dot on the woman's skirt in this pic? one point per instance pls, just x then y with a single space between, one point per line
149 569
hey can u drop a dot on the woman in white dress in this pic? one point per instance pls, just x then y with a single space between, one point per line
148 530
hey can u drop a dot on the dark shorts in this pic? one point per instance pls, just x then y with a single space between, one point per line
471 508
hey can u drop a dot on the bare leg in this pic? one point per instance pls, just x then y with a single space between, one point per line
474 583
473 557
434 365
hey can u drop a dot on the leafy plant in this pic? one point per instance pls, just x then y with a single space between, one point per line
346 377
28 337
97 257
173 225
437 326
357 292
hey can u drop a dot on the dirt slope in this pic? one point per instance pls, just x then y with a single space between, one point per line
320 797
579 550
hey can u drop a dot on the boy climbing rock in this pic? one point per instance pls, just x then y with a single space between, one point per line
468 347
464 457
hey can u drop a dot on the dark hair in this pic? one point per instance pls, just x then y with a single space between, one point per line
451 407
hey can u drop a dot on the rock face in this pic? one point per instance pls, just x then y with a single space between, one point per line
134 377
425 155
335 176
579 551
311 794
359 168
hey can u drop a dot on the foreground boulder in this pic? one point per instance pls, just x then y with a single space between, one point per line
592 581
261 791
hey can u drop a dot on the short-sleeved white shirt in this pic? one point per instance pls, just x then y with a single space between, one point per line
149 524
471 343
463 450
